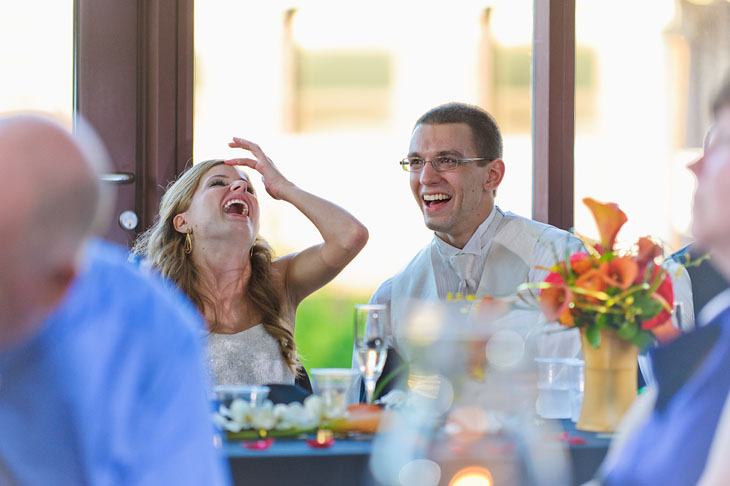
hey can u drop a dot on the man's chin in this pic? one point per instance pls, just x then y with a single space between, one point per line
435 225
707 237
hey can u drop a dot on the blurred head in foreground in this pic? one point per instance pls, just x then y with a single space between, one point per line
710 219
684 419
51 201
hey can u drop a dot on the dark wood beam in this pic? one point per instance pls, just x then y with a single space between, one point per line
553 112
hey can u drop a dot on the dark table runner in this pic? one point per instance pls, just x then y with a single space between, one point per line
293 463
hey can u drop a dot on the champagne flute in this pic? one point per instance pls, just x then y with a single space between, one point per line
370 328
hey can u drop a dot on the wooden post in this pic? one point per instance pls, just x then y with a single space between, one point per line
553 112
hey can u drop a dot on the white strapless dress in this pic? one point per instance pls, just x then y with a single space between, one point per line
250 357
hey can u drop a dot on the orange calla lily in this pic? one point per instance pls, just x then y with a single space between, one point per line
566 318
592 280
554 300
648 250
609 219
620 272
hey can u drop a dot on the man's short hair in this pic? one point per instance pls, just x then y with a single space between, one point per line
722 99
486 136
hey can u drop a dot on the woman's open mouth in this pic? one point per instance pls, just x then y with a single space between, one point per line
236 206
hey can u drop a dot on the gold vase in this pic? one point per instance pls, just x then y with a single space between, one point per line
610 381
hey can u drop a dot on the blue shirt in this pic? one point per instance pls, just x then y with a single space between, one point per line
112 391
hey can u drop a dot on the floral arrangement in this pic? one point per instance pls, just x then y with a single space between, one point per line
297 417
605 288
242 415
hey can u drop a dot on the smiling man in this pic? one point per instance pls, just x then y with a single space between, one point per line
455 167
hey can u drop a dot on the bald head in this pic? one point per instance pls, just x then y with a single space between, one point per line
49 195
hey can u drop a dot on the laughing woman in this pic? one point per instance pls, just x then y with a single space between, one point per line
206 240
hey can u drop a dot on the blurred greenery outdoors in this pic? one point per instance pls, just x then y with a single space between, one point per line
324 328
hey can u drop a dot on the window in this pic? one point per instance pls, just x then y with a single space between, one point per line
37 57
331 91
648 106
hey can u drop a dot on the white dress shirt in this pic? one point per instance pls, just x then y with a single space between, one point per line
553 246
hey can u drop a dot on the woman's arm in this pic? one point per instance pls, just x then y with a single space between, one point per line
344 236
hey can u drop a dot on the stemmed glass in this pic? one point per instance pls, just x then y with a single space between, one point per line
370 327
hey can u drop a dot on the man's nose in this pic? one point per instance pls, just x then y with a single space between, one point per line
696 166
428 173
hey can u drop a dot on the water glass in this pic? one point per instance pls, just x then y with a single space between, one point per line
333 385
254 395
553 388
577 378
370 348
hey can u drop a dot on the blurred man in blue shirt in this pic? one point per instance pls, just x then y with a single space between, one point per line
678 433
101 371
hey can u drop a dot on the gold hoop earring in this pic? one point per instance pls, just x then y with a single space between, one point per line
188 244
250 253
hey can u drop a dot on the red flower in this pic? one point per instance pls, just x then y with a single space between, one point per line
665 295
581 263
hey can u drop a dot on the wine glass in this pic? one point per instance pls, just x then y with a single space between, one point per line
370 327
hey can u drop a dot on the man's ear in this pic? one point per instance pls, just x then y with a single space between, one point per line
495 174
57 284
180 223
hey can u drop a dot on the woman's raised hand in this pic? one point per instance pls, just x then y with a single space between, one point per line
274 182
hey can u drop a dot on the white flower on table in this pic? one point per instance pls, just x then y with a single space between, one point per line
224 423
315 407
240 412
241 415
263 418
294 416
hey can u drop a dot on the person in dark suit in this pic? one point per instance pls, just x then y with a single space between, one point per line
705 280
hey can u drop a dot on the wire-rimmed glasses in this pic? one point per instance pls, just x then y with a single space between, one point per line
440 164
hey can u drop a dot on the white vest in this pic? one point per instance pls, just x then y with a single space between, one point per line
506 267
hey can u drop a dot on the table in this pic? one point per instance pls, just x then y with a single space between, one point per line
292 462
586 458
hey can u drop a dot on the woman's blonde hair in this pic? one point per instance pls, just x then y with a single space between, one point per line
164 246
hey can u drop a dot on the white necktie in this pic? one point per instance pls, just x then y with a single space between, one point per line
463 264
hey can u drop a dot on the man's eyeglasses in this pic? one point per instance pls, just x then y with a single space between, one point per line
439 164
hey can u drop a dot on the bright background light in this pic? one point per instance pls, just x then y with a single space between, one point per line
331 90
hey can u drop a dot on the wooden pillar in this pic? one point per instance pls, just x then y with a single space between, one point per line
553 112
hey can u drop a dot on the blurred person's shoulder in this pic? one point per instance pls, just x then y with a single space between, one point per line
117 286
559 236
382 293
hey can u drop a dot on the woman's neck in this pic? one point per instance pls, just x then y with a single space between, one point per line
224 278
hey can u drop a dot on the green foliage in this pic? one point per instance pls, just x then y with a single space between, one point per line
324 328
593 334
643 339
627 330
648 307
603 321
